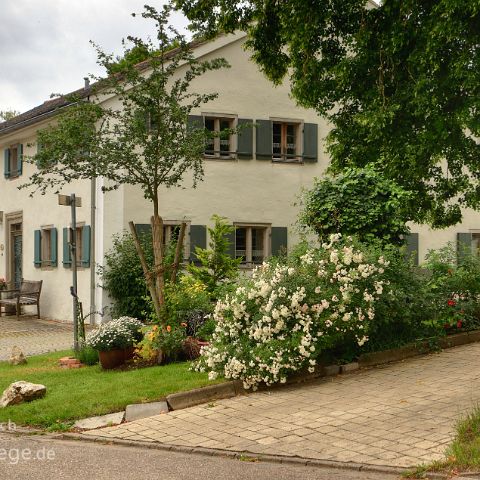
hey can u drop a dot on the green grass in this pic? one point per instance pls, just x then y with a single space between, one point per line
89 391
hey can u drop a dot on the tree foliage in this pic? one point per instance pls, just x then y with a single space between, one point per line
399 83
8 114
141 138
358 202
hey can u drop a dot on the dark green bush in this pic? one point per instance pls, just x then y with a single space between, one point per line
122 276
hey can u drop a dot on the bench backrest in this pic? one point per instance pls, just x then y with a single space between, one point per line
31 288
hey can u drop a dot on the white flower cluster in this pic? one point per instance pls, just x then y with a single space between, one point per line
122 332
286 315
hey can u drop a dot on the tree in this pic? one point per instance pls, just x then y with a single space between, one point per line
8 114
399 83
358 202
145 141
216 266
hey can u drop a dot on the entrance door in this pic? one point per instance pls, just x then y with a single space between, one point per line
17 244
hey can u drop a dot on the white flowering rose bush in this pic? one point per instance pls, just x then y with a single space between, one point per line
281 319
120 333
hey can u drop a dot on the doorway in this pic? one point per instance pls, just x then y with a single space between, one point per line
14 246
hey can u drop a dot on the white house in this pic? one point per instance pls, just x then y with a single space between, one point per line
252 178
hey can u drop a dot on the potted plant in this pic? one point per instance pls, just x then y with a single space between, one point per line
115 341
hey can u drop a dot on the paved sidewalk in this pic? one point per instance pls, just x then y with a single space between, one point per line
33 336
402 414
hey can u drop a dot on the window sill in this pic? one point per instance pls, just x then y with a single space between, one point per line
296 161
215 158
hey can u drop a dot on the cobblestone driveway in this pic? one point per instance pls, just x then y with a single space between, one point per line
33 336
401 414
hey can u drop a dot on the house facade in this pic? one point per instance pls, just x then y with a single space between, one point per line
253 178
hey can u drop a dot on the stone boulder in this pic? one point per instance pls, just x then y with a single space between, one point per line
20 392
17 357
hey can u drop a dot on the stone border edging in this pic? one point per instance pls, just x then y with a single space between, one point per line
191 398
213 452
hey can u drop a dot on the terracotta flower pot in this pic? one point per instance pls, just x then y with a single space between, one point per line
112 359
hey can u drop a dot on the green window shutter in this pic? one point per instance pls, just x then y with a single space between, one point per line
37 256
264 140
464 246
245 139
231 243
6 164
39 149
53 247
19 159
412 247
143 228
86 239
195 122
67 258
279 240
198 238
310 142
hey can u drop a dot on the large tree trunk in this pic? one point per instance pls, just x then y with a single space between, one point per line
149 278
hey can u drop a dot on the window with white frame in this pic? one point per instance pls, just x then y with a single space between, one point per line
220 145
286 141
252 243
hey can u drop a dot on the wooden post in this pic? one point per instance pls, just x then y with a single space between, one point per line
148 275
178 252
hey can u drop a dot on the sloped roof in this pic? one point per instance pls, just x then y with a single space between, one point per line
51 107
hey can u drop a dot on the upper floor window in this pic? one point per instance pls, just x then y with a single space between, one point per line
220 145
13 157
285 144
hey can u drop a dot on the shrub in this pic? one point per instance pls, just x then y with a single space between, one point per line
360 202
454 281
121 333
122 276
216 266
400 315
283 318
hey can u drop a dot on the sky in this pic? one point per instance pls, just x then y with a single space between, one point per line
45 49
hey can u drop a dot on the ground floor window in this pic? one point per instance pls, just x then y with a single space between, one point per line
252 243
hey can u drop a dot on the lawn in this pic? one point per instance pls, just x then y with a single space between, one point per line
79 393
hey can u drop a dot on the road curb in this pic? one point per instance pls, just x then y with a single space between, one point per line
212 452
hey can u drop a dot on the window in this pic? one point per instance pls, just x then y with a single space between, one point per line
45 241
13 161
252 243
171 232
219 145
285 141
82 246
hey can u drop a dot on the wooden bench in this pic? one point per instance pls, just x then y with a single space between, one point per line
27 294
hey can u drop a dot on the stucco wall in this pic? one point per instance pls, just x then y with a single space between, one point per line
42 210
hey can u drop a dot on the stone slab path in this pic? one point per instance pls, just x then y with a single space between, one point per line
400 414
33 336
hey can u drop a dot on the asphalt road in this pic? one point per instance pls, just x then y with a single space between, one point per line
42 457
